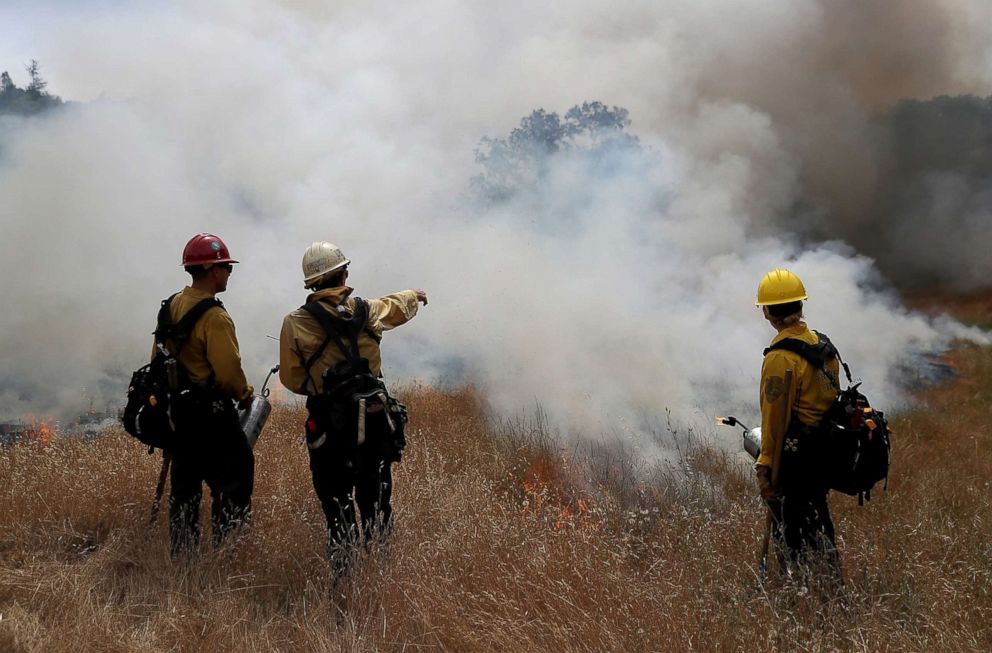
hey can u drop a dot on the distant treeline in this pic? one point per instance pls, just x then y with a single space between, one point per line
592 134
914 138
26 101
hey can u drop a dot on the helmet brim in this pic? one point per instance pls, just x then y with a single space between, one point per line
309 281
787 300
210 262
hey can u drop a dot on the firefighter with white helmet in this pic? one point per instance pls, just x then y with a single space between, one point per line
795 395
329 352
210 446
320 259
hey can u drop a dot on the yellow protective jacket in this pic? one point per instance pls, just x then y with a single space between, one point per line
211 352
812 391
302 335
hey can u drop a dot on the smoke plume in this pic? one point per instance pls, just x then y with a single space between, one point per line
607 292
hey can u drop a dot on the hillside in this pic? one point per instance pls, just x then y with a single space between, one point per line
506 540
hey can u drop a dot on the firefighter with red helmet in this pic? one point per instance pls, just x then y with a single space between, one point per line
329 352
210 446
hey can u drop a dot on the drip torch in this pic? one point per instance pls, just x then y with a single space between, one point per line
752 437
254 417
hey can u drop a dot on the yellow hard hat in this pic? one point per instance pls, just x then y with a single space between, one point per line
780 287
321 258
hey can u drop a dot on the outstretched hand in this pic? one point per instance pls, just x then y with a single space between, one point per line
421 295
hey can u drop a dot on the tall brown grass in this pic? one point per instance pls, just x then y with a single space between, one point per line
506 538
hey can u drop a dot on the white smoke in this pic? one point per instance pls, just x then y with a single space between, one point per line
608 300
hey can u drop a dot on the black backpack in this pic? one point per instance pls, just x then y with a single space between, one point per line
155 388
349 385
857 447
352 374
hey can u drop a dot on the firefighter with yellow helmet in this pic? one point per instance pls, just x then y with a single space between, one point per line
795 395
329 352
210 446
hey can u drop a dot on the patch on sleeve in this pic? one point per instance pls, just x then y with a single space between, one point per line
774 388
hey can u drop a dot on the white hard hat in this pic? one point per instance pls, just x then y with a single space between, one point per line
321 258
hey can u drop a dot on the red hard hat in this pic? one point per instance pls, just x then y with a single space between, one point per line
203 249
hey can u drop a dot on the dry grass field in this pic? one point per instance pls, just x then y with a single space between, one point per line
506 540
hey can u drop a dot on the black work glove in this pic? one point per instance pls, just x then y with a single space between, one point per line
764 476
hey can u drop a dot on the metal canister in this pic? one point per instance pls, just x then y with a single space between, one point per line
253 419
752 442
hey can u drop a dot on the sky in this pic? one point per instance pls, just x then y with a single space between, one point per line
608 299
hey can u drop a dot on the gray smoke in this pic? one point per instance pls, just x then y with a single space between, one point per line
607 293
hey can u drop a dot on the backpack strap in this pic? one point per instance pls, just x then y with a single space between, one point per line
180 331
336 327
164 320
817 354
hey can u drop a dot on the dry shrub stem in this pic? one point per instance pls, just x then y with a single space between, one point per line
506 538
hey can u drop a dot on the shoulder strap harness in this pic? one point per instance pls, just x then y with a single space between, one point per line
180 331
338 327
817 354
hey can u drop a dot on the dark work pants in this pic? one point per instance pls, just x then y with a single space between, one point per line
804 530
211 449
345 474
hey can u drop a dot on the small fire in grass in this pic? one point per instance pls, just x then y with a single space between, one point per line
545 487
41 429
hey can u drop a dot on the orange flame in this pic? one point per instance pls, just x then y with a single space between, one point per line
570 516
42 429
545 487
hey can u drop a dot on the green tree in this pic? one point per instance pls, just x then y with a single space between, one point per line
26 101
591 132
37 85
